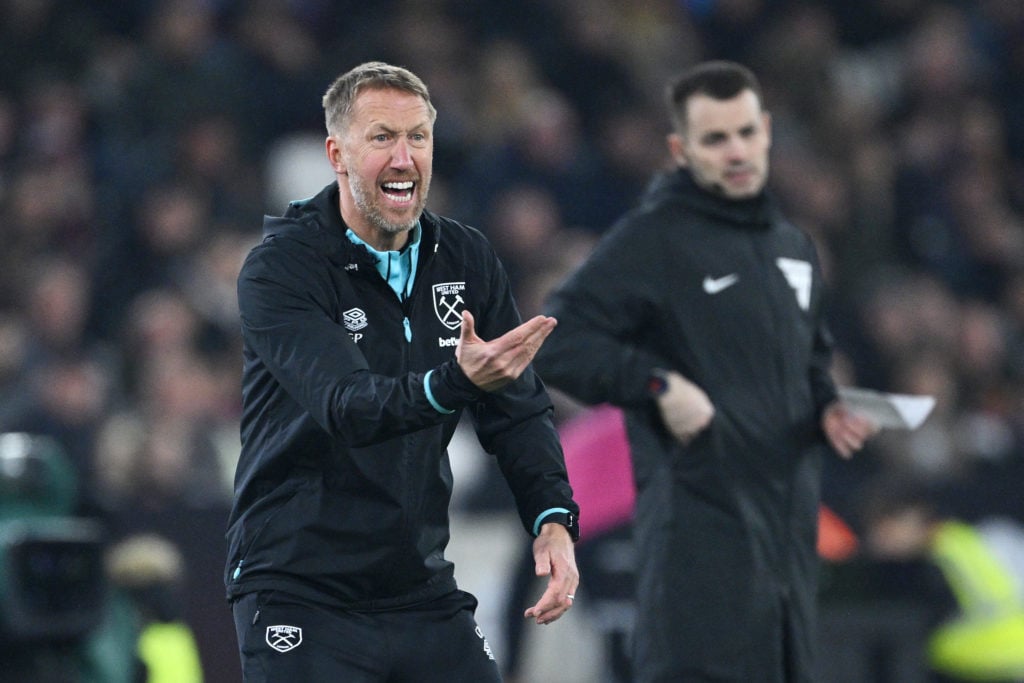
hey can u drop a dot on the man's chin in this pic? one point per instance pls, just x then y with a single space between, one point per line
396 225
730 192
741 196
740 192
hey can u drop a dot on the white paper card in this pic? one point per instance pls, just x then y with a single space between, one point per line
895 411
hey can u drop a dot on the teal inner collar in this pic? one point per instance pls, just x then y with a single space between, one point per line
398 268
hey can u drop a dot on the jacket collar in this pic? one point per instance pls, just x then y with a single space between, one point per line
317 221
678 185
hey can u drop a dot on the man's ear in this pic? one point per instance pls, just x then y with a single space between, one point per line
677 148
334 155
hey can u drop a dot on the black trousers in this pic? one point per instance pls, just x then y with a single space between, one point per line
284 639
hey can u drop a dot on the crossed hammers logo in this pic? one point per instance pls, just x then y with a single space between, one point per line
284 638
447 302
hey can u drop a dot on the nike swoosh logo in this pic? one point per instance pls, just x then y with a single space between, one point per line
713 285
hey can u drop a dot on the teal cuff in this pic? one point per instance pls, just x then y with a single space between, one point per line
541 516
430 397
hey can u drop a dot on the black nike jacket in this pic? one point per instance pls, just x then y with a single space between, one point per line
729 294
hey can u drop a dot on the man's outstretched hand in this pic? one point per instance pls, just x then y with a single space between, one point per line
555 558
490 365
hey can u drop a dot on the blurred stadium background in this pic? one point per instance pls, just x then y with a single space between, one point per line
142 141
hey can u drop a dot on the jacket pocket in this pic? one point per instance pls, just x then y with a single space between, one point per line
254 527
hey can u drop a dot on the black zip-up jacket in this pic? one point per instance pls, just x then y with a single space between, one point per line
343 483
729 294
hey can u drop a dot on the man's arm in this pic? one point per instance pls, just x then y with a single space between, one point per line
317 363
514 423
845 431
596 354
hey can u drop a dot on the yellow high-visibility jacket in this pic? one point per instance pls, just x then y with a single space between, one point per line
985 642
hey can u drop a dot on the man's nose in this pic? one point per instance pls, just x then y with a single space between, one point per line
736 149
401 157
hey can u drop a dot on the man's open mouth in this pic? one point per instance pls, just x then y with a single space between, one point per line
399 191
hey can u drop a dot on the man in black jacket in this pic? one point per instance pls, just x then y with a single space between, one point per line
363 320
700 313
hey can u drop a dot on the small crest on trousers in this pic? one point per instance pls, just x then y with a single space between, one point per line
284 638
449 304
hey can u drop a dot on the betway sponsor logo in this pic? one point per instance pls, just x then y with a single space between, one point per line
450 341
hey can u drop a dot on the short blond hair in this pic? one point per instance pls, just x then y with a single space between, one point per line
341 96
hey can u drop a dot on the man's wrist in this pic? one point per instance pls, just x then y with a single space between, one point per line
657 382
564 518
430 395
447 388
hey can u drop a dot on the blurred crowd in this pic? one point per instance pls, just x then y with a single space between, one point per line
137 156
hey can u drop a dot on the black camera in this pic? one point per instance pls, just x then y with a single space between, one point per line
52 579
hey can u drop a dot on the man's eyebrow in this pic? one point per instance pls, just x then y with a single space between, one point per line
380 126
713 135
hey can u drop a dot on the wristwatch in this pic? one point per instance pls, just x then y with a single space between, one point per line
657 382
566 519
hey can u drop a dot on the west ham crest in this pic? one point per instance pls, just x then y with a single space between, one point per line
284 638
448 303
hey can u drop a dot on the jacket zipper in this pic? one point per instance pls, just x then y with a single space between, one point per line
259 532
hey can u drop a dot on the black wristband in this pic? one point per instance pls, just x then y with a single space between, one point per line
566 519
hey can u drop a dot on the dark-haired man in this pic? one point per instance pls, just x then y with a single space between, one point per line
700 314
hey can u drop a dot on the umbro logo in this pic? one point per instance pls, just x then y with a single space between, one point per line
714 285
354 319
284 638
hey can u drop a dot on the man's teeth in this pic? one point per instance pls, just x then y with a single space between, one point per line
398 191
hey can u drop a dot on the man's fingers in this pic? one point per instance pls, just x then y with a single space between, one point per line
519 345
532 333
848 440
468 327
529 336
549 608
553 557
685 409
854 431
539 324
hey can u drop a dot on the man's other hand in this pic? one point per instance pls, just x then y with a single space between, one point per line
685 409
846 430
490 365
